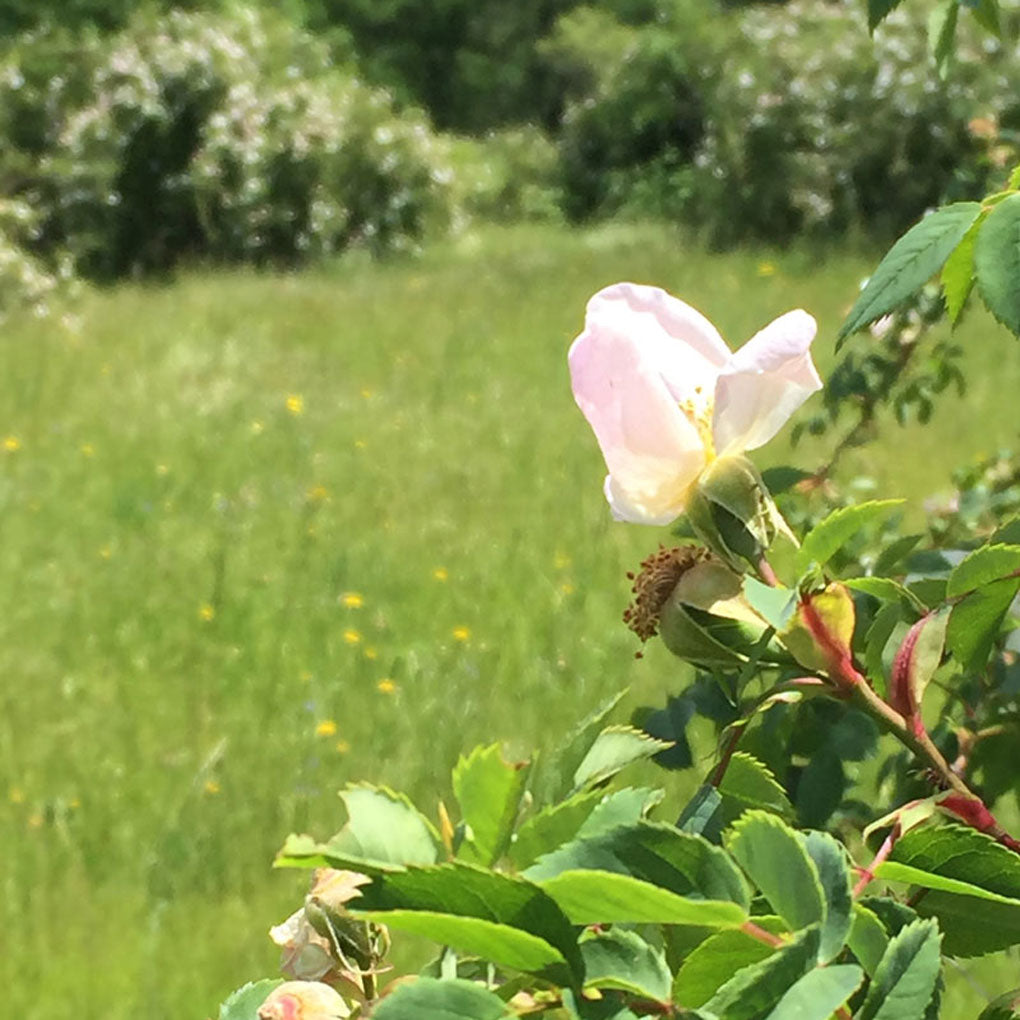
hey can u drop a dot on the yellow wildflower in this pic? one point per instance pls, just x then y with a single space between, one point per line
766 269
12 444
87 450
295 403
461 633
352 600
371 653
211 787
326 728
206 612
386 686
352 637
440 574
342 747
257 427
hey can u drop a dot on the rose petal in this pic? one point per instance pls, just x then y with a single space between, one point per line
765 382
651 449
685 346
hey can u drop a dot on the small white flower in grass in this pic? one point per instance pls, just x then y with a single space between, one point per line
665 396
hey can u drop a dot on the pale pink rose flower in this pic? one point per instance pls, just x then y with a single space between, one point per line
665 396
304 1000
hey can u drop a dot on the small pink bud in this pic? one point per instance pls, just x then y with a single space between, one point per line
304 1000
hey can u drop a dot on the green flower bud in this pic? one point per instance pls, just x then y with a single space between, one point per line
732 512
708 622
697 604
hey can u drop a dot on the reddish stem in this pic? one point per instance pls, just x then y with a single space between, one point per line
767 574
719 772
868 874
761 935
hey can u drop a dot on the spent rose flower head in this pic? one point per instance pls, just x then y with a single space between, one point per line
665 396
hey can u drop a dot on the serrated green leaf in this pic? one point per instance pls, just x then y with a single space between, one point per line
867 938
384 826
878 10
678 862
1005 1007
506 920
552 827
775 859
975 885
997 262
244 1003
590 896
955 858
503 944
981 567
986 14
911 262
830 860
553 778
885 589
614 749
489 792
974 623
819 993
893 914
831 534
622 960
905 979
621 807
703 815
750 784
759 987
894 553
942 33
584 814
384 831
1014 178
711 964
958 272
972 926
440 1000
875 641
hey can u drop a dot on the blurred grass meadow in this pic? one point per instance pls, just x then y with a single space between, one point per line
267 534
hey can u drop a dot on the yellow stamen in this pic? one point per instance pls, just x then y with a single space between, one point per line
699 414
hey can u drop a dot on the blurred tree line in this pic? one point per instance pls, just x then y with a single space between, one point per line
473 64
135 133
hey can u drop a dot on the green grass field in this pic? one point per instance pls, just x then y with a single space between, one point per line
264 535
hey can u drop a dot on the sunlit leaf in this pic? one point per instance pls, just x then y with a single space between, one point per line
911 262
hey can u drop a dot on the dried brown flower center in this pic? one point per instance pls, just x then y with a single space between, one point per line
654 583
